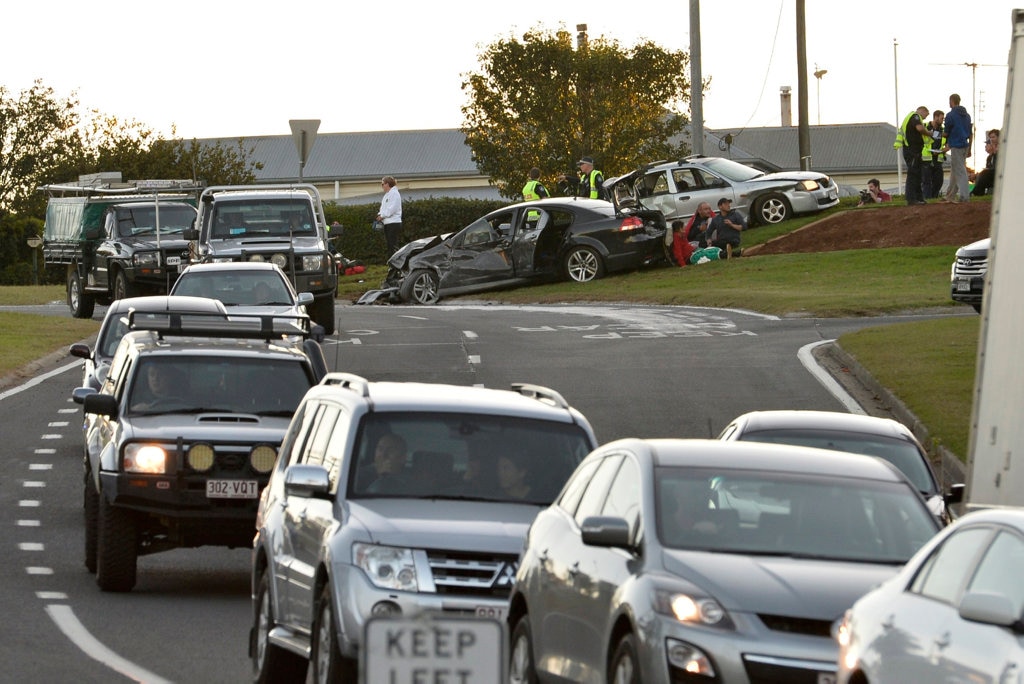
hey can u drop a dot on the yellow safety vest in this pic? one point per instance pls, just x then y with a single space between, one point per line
928 153
595 192
530 190
901 139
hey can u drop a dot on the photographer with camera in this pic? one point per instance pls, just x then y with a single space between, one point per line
873 194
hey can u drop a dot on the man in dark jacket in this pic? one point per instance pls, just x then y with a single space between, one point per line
725 228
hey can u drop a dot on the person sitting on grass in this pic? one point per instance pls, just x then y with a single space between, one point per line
873 194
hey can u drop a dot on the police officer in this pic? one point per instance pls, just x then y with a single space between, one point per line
932 158
910 137
588 184
534 190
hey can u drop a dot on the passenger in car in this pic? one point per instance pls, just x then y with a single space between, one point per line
514 477
389 459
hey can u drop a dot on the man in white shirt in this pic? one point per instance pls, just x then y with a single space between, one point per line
390 213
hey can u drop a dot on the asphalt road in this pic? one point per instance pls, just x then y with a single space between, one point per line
634 371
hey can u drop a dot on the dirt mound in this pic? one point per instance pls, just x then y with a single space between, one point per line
898 225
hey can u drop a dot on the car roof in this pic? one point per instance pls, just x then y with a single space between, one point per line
821 420
149 342
443 398
234 266
152 303
710 453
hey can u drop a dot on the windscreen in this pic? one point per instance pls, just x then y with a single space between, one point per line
256 218
465 456
142 219
790 514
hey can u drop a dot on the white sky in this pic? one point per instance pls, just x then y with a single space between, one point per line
226 68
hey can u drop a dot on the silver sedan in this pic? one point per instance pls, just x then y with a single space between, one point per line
688 560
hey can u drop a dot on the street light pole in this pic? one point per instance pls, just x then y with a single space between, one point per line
818 73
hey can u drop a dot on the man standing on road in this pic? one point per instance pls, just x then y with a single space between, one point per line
390 213
958 142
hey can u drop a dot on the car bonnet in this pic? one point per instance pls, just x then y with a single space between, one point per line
778 585
444 523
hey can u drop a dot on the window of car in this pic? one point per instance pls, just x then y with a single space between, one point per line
593 498
707 179
998 572
944 573
317 449
623 499
684 180
298 431
574 489
656 183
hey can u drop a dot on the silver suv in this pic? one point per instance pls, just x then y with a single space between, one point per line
399 499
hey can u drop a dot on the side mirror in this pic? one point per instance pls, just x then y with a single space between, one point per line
306 481
190 234
955 494
599 530
79 394
80 350
100 404
93 233
305 298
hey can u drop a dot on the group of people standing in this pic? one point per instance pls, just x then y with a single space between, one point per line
925 145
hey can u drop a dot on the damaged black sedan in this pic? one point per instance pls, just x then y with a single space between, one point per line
549 239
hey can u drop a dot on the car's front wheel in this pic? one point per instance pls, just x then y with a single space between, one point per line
328 664
122 288
323 313
116 548
583 264
624 668
92 506
772 208
521 668
420 287
270 663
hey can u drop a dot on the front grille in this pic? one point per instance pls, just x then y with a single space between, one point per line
770 670
795 625
971 266
466 574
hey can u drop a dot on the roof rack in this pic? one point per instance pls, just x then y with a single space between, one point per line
131 188
350 381
209 324
540 393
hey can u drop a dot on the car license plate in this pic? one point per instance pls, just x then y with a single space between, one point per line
232 489
963 285
826 678
492 612
173 261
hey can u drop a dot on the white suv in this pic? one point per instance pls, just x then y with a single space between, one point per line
399 499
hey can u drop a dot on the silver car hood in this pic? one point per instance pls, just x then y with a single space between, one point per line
445 523
778 585
213 425
788 176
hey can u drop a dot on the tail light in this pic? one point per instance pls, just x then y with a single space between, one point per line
631 223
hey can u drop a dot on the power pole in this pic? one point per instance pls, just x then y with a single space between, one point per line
696 92
801 70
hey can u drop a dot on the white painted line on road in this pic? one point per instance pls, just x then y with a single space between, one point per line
807 359
74 630
470 334
415 318
57 423
52 437
38 379
30 546
34 570
69 410
45 451
28 523
33 484
51 595
474 359
28 503
40 466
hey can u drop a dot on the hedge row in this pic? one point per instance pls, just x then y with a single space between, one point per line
420 218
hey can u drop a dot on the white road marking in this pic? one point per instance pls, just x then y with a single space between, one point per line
30 546
57 423
33 484
28 523
828 382
35 570
474 359
66 621
68 410
28 503
52 437
38 379
40 466
469 334
45 451
51 595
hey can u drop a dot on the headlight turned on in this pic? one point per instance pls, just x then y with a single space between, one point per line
145 458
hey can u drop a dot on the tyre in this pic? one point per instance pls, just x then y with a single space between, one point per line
772 208
328 664
122 288
270 663
521 667
92 506
625 668
323 313
116 548
420 287
976 306
583 264
80 303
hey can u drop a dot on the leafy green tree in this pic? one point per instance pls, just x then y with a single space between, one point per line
39 143
541 102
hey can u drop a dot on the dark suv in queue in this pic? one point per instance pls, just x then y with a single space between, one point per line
184 431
